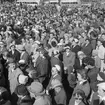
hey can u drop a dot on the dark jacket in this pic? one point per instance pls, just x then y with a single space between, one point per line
5 103
42 68
15 56
87 50
25 101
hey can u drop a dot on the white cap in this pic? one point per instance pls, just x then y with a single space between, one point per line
37 42
23 79
76 40
80 53
58 67
60 44
101 85
22 61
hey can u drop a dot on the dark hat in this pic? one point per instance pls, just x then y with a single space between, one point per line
21 90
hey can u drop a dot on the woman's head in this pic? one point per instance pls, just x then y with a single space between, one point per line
55 70
79 95
81 75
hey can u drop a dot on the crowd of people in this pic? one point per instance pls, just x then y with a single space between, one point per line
52 55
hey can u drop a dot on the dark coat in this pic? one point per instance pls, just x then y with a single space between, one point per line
84 86
42 68
57 61
77 64
60 98
76 49
5 103
92 74
25 101
15 56
87 50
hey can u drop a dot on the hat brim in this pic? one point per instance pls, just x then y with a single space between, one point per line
37 94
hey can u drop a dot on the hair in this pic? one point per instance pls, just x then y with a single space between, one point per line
83 73
89 61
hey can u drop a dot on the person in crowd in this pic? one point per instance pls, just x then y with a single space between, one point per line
4 97
87 48
14 53
23 95
68 59
79 60
79 98
96 58
99 97
37 91
82 83
101 52
55 74
13 75
24 55
42 65
58 95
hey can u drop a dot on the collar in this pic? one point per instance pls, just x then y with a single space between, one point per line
81 82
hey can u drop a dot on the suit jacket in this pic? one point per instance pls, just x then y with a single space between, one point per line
87 50
15 56
77 64
25 57
25 101
42 68
76 49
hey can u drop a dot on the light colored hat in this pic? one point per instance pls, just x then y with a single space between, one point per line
67 47
36 88
1 43
22 61
58 67
60 44
101 85
80 53
37 42
22 79
55 83
56 52
20 48
76 40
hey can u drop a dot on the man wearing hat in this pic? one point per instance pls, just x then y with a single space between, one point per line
23 95
42 65
13 75
37 91
14 53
